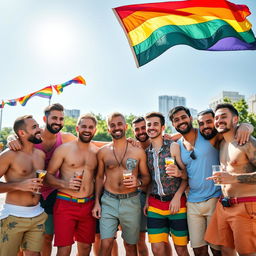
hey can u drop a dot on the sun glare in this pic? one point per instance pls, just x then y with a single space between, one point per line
54 39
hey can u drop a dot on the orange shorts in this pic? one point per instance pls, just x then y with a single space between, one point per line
234 227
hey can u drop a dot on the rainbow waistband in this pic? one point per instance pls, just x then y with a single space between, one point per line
67 197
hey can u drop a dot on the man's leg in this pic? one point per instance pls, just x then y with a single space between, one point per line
158 249
64 250
182 250
225 251
130 249
201 251
141 245
216 252
168 249
106 246
30 253
47 245
83 249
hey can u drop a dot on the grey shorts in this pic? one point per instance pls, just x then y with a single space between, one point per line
143 221
126 212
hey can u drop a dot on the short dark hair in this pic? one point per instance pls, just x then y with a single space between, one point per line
115 114
138 119
87 116
156 114
177 109
205 112
55 106
19 123
229 106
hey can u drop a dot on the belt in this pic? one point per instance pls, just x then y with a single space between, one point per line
237 200
67 197
163 198
121 196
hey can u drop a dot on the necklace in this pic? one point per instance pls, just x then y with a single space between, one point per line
120 163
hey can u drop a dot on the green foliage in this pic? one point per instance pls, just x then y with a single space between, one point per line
244 115
102 129
70 125
4 133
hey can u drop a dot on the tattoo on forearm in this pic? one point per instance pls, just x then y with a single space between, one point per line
248 179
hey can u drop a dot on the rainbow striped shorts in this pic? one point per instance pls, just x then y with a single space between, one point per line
161 222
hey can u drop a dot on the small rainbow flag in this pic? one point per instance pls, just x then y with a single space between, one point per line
214 25
12 102
2 104
76 80
44 93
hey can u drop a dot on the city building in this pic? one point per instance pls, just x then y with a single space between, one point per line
252 104
193 112
74 113
233 96
166 103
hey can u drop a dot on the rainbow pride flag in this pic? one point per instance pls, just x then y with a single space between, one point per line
12 102
76 80
44 93
213 25
2 104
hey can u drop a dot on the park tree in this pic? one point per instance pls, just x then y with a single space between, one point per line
4 133
244 115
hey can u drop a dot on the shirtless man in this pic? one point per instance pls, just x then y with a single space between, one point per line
77 162
22 219
120 202
234 221
51 139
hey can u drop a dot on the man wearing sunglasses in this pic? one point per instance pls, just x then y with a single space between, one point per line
199 151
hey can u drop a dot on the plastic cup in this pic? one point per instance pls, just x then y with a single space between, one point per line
169 160
127 174
40 174
216 169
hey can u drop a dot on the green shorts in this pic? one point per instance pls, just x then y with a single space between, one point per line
126 212
20 232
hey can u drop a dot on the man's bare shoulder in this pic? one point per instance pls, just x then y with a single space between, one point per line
137 150
67 137
39 152
7 153
95 149
105 149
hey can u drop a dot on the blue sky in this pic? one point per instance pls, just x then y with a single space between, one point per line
52 41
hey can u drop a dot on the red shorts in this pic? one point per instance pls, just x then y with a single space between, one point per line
73 221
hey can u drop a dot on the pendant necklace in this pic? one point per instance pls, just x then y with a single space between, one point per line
120 163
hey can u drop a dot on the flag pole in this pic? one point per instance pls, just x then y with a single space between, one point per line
1 116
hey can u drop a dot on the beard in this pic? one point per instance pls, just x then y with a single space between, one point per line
210 135
34 139
144 139
85 139
51 130
185 131
225 129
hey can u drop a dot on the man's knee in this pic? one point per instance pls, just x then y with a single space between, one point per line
48 238
201 251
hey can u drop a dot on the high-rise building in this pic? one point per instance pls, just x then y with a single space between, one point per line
74 113
233 96
166 103
252 104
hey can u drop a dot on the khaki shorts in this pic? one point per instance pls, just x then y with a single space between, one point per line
19 232
234 227
199 215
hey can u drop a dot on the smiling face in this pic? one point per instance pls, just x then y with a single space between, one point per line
224 120
31 131
117 127
139 130
153 127
86 130
182 122
206 126
54 121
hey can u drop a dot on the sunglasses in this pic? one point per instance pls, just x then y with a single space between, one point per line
193 155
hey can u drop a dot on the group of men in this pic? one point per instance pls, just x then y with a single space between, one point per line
85 181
